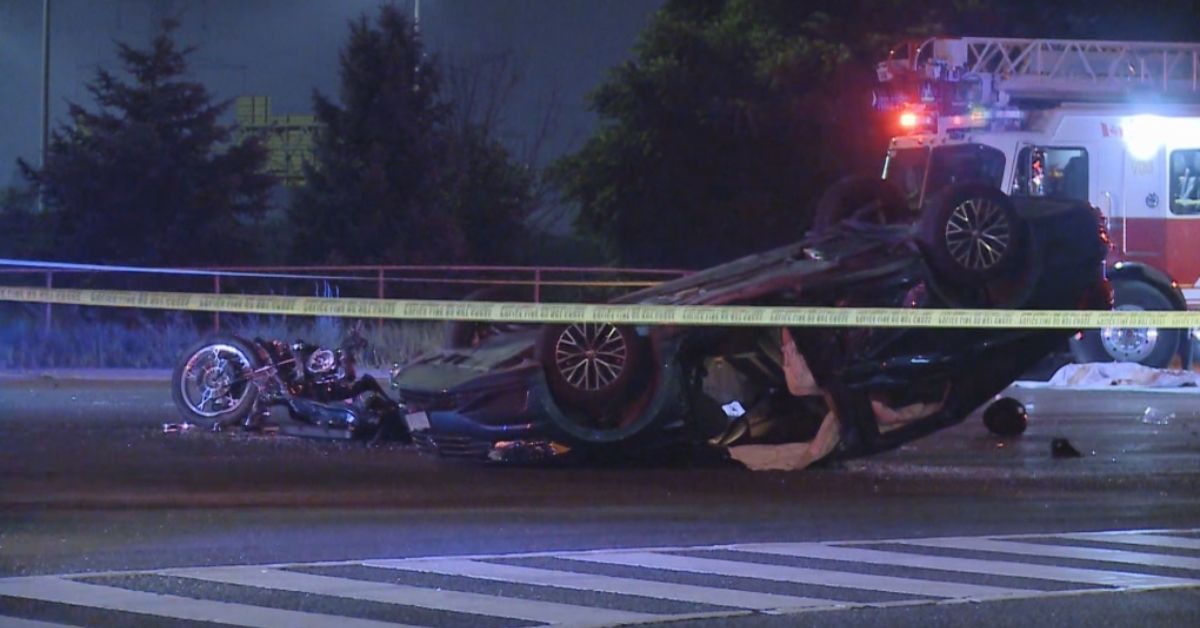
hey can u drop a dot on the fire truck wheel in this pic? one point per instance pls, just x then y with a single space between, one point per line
1148 346
868 199
971 233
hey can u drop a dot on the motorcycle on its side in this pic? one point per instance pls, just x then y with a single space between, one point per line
227 381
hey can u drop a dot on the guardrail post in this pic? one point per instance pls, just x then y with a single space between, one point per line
216 315
48 318
379 292
537 285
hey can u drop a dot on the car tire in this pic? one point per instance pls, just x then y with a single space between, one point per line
210 385
971 233
591 366
1151 347
468 334
850 198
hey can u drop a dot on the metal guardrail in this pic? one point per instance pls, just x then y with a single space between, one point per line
379 281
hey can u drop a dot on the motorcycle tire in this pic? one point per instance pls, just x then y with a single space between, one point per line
211 386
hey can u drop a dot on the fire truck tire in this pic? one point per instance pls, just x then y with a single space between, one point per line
971 233
1151 347
868 199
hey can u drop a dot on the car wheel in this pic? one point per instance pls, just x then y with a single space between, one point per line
467 334
971 233
596 374
1149 346
212 385
868 199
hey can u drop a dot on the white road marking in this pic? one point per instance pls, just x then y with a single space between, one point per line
388 593
17 622
64 591
601 583
965 565
1062 551
800 575
1134 538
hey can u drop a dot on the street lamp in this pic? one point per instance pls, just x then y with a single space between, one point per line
45 93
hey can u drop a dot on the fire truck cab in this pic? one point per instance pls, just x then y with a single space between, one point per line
1114 124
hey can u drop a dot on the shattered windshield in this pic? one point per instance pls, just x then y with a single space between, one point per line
948 165
905 169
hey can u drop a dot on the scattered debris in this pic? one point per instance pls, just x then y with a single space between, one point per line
1154 416
1062 448
1006 417
526 451
173 428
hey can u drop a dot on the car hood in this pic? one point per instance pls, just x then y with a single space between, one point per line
449 368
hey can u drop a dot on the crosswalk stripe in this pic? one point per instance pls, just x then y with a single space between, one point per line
1062 551
1151 540
736 561
388 593
800 575
19 622
64 591
601 583
963 565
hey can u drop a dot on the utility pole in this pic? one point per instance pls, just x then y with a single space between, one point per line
417 32
45 93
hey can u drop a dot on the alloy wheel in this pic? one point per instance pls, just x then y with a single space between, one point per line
978 234
591 356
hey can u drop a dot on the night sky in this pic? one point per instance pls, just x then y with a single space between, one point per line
285 48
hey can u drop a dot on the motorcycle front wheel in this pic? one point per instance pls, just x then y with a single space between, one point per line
212 383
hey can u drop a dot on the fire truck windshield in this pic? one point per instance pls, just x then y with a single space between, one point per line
921 172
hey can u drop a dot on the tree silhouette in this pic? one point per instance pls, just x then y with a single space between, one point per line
150 176
733 116
397 176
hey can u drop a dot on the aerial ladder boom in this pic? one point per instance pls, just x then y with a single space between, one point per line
1003 70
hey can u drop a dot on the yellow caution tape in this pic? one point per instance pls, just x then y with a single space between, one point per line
629 314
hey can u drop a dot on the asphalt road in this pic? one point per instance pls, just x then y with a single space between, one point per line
89 484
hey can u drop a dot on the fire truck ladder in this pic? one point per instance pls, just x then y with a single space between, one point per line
1062 69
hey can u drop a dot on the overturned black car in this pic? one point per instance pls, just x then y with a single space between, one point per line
780 398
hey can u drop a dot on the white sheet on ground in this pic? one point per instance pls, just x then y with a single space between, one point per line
1105 374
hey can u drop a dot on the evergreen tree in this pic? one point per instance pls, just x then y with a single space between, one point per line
394 179
150 176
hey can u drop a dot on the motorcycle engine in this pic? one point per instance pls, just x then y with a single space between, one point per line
321 362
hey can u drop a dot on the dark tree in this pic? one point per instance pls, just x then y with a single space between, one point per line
150 176
717 138
396 179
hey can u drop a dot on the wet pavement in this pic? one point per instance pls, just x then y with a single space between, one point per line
88 482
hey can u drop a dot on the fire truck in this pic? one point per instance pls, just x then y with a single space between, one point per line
1112 123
